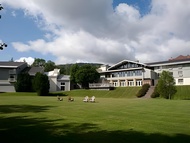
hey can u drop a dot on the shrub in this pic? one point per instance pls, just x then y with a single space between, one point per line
155 93
143 90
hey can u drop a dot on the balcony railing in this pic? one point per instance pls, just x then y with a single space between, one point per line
12 71
101 86
12 79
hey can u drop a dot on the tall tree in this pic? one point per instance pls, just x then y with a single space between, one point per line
24 83
41 84
166 85
86 74
49 66
39 62
73 71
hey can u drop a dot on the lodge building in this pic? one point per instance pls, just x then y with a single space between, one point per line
134 73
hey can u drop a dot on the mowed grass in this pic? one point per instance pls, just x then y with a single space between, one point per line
119 92
34 119
183 92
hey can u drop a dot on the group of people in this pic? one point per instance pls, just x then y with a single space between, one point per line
70 99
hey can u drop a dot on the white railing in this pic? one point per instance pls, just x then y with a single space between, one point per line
12 79
100 85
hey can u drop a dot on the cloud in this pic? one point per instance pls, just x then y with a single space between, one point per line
94 31
29 60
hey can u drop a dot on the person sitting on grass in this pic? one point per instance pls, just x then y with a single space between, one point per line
59 98
70 99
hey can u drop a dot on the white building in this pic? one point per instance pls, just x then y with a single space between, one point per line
58 82
133 73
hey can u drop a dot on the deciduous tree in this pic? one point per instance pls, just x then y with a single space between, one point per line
85 75
166 85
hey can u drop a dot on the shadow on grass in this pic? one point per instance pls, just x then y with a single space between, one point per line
22 108
39 130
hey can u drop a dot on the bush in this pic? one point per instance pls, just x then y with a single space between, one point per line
155 94
143 90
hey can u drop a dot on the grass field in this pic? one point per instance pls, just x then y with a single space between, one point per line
27 118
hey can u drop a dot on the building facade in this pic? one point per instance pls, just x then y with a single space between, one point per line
8 74
10 70
133 73
58 82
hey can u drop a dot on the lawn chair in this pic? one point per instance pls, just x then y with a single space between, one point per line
86 99
92 99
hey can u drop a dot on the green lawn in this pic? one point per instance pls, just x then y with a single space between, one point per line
34 119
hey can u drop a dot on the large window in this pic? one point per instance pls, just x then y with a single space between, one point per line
138 72
131 83
138 83
180 81
122 83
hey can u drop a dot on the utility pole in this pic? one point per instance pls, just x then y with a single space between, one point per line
2 45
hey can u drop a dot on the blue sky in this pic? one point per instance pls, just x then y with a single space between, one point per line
94 31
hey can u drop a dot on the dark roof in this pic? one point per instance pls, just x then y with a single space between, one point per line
170 62
34 70
11 64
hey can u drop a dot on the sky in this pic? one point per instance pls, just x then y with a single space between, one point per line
94 31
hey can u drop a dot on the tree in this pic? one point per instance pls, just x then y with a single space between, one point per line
85 75
38 62
41 84
166 85
24 83
73 71
49 66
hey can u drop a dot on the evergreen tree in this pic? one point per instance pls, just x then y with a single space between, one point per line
24 83
41 84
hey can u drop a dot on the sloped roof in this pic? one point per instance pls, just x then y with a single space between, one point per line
5 64
63 77
34 70
125 61
169 62
180 57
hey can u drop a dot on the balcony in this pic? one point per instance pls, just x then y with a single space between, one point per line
12 80
12 71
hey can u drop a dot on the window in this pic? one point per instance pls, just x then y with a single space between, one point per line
180 73
130 83
115 84
171 73
180 81
62 83
123 83
138 83
138 72
62 86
